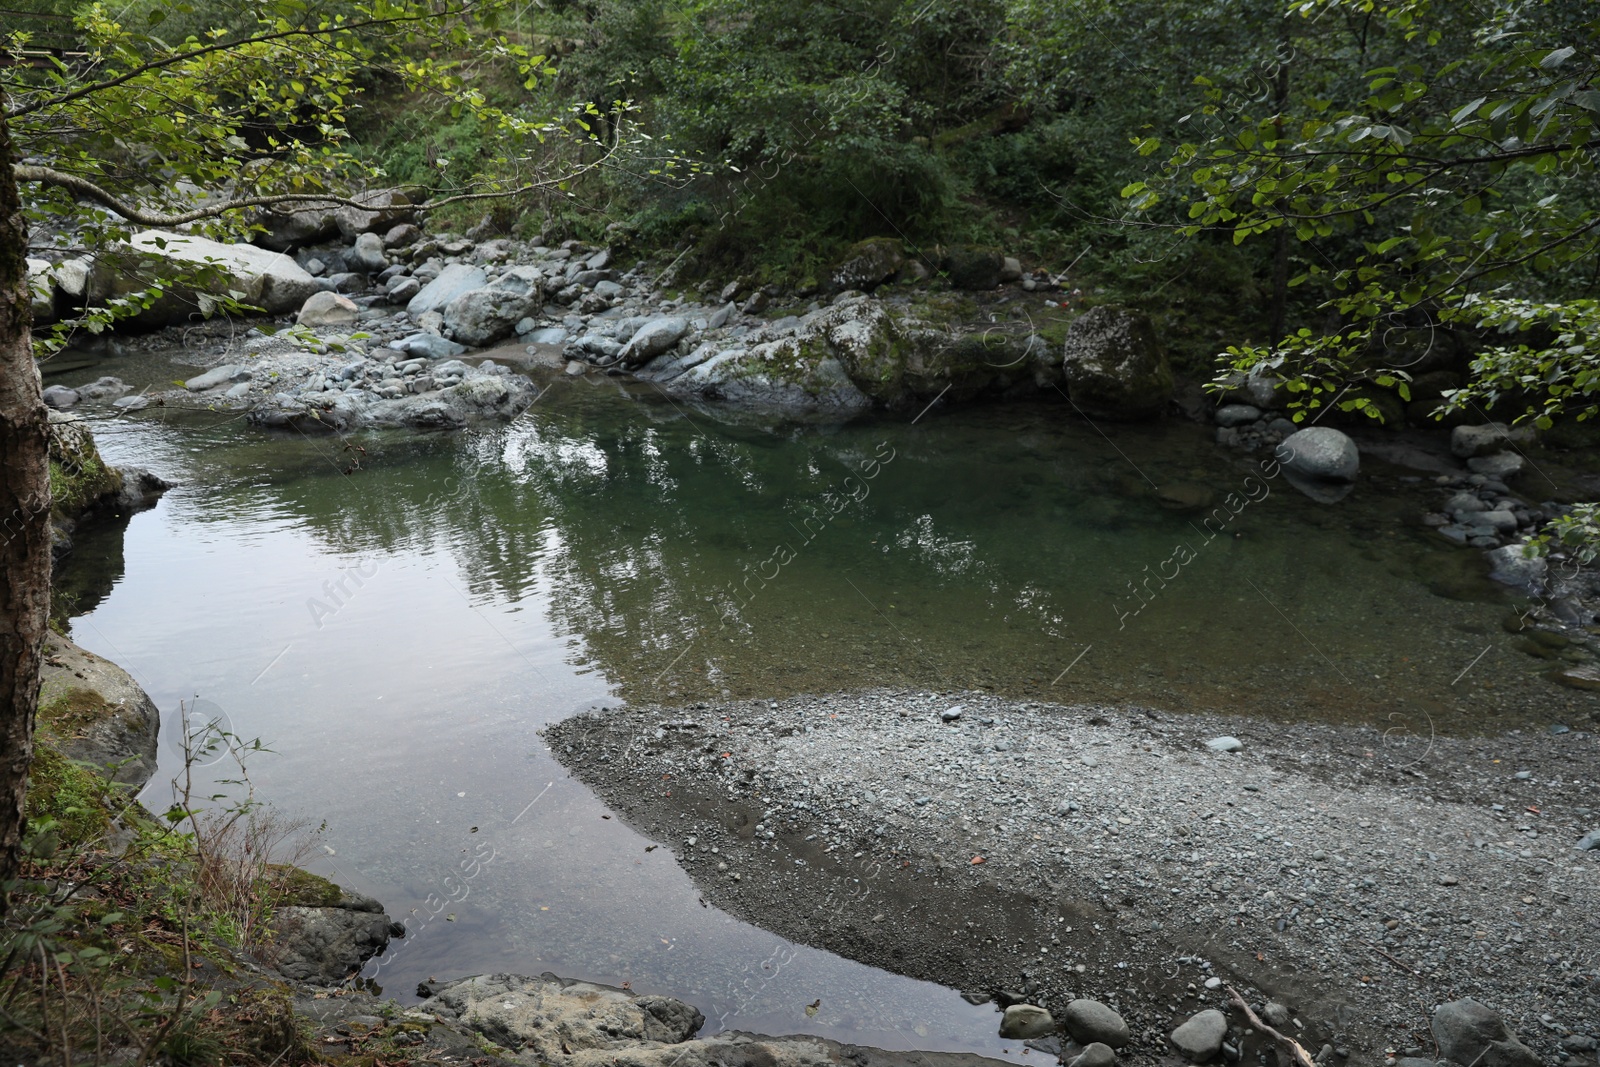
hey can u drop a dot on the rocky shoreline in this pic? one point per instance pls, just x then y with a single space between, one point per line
1045 854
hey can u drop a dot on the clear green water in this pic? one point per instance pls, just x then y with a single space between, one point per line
398 623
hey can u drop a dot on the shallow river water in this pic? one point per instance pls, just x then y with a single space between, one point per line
396 617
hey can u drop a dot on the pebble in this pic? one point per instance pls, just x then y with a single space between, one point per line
1225 744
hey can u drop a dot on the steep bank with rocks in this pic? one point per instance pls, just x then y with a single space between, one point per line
1047 853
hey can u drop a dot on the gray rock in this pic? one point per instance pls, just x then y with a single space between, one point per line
720 317
1022 1021
607 290
327 309
385 208
1470 441
1097 1054
480 317
600 260
1010 269
1501 466
223 375
1114 367
1237 414
869 264
60 397
538 1016
654 338
324 946
1089 1021
406 233
430 346
1502 521
1511 567
1277 1015
315 267
453 280
1588 841
1469 1032
103 388
1225 744
1321 462
131 403
549 335
41 291
286 229
401 290
116 724
269 280
367 254
349 281
1200 1039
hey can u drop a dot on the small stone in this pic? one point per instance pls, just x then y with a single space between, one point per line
952 714
1277 1015
1225 744
1449 879
1588 841
1237 414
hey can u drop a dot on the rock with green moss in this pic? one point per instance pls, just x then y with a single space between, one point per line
973 268
869 264
91 710
84 486
1115 366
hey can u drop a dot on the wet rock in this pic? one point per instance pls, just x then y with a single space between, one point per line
1470 1032
1114 367
1022 1021
1089 1021
453 280
1200 1039
327 309
1321 462
1510 566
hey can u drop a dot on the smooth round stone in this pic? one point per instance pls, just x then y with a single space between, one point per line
1089 1021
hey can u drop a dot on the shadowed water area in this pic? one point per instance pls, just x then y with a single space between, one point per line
398 616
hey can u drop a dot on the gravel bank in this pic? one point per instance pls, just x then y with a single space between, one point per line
1056 852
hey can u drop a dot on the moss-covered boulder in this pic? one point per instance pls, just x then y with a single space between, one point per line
1115 367
84 486
92 711
868 264
972 268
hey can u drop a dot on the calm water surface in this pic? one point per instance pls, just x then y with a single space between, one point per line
397 617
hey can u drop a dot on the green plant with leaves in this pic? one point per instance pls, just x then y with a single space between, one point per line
1457 191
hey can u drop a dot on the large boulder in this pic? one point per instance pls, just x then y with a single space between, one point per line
1321 462
1471 1033
384 209
1470 441
1114 366
652 339
269 280
327 309
83 486
92 711
285 228
974 268
323 935
787 375
869 264
480 317
455 279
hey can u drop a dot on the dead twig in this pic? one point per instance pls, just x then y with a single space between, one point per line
1297 1052
1403 966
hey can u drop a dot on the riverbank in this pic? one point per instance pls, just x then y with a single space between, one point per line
1041 852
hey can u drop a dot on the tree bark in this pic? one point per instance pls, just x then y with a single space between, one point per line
24 520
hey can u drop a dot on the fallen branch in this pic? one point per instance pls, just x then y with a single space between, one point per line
1297 1052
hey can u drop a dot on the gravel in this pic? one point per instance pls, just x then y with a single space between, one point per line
1036 851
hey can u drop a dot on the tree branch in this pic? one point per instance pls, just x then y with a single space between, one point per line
86 188
1297 1052
219 46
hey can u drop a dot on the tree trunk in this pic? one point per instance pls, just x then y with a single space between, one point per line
24 520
